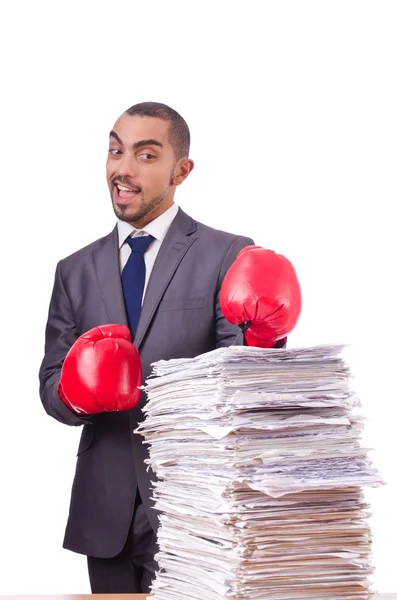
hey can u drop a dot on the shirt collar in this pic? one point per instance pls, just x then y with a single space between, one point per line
157 228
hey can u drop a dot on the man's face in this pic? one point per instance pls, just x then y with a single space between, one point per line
140 169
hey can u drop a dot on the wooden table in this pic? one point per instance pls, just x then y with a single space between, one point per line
123 597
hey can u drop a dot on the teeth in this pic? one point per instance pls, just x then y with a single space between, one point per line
124 189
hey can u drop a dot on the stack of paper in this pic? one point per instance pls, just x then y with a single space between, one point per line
260 473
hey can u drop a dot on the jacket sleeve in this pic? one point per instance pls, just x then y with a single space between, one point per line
60 335
226 333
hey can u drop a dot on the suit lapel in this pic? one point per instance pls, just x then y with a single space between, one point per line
176 243
107 267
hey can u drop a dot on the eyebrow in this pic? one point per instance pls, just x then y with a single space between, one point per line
137 144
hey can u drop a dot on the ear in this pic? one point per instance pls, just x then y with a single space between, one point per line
182 169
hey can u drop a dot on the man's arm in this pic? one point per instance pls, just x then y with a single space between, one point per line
226 333
60 336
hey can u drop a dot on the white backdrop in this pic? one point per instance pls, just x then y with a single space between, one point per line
292 111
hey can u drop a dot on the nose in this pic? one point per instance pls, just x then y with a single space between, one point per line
127 166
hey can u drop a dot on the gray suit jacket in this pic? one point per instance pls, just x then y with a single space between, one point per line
181 317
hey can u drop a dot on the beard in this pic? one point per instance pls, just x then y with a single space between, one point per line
129 215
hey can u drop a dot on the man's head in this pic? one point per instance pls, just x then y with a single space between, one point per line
148 157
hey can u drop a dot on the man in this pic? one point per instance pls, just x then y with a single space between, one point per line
175 313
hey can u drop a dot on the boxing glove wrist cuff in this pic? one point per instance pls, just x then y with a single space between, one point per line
66 402
245 326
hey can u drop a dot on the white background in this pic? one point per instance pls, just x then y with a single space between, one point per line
292 111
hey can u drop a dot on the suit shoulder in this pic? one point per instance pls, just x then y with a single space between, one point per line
83 253
221 237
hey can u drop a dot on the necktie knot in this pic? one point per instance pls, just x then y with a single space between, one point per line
140 244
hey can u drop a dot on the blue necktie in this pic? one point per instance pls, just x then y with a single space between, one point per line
133 278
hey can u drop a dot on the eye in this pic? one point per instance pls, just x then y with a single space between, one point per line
114 151
147 155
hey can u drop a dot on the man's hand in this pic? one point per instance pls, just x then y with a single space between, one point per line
101 372
261 294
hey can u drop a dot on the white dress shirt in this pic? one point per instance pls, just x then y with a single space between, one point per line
157 228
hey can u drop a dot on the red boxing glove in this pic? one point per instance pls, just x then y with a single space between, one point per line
261 294
101 372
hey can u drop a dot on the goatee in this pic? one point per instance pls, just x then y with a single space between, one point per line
124 213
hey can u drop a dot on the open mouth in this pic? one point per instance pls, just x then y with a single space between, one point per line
125 193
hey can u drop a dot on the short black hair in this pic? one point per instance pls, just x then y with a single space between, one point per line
179 134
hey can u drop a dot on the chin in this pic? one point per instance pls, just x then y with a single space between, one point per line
126 215
122 212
